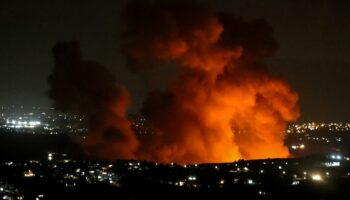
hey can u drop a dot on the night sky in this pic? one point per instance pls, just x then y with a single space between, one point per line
314 57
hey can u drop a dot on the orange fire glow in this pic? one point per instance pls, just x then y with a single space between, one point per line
223 105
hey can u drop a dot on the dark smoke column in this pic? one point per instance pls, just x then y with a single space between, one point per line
86 87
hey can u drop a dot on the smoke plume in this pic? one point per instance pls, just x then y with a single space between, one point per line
86 87
224 104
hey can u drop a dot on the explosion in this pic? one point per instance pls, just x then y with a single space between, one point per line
223 105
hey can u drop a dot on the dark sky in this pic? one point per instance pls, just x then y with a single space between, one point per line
314 56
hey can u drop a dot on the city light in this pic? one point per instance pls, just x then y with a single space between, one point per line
28 173
192 178
113 173
166 99
316 177
295 182
22 124
332 164
107 172
18 120
49 156
336 157
313 126
181 183
298 147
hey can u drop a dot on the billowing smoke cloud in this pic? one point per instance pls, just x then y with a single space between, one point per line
224 105
86 87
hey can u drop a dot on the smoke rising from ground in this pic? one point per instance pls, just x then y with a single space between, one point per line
223 105
86 87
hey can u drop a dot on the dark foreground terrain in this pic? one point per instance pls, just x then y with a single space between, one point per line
52 167
20 146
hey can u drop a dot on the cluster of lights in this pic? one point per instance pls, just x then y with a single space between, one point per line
180 183
295 182
49 156
97 172
336 157
298 146
192 178
10 192
17 119
312 126
261 192
140 125
22 124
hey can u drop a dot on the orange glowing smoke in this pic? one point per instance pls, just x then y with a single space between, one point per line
224 105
